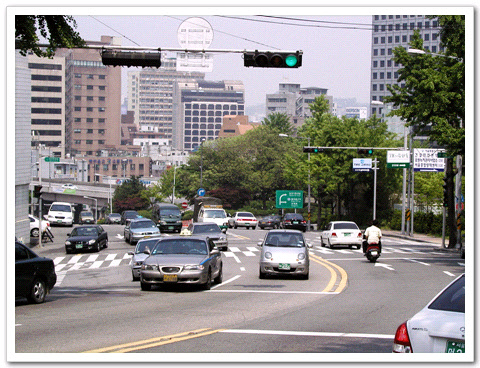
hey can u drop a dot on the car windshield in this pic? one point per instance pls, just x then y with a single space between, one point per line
295 216
245 214
345 226
114 215
145 244
60 208
452 299
207 228
171 212
284 240
181 246
84 231
131 214
215 214
142 225
87 214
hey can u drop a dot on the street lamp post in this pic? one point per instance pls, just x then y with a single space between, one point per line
308 200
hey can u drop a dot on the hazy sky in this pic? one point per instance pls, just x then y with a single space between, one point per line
336 48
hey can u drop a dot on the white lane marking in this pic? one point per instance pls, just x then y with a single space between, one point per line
226 282
278 292
324 251
60 277
384 265
127 256
253 249
449 273
74 259
234 249
115 263
306 333
411 250
242 268
232 255
249 254
57 260
76 266
91 258
118 236
413 260
111 257
96 264
60 267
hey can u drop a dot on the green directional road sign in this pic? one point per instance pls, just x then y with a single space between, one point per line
52 159
289 199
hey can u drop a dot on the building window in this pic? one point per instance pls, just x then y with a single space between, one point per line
101 88
101 120
89 87
132 167
89 141
89 120
77 120
77 108
89 131
78 98
89 109
101 109
89 98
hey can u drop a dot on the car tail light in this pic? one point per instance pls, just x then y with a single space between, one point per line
401 343
334 234
359 235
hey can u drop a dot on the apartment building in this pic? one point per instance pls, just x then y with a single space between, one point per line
150 96
199 107
293 100
389 32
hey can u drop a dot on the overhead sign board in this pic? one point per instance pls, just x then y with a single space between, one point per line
362 164
398 159
195 34
426 159
52 159
194 62
289 199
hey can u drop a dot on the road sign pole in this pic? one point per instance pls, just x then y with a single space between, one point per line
375 161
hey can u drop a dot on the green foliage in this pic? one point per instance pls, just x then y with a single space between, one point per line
57 29
279 122
128 196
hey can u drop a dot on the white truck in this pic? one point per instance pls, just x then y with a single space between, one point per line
210 209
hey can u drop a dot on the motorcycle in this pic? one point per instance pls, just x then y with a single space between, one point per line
373 252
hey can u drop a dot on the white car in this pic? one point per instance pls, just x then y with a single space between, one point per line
243 219
437 328
341 233
69 186
34 226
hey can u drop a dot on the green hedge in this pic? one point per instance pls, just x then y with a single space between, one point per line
423 222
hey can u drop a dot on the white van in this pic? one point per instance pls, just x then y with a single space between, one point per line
60 213
213 213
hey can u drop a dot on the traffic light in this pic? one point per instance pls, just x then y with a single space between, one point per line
272 59
131 58
37 191
310 149
445 191
365 151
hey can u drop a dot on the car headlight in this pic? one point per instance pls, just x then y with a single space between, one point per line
68 243
91 241
193 267
301 256
138 263
163 222
268 255
222 238
149 267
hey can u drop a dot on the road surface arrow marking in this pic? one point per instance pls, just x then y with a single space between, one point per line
384 265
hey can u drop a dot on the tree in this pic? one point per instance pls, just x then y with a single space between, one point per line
57 29
128 196
279 122
432 99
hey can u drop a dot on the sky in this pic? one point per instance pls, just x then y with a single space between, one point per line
336 48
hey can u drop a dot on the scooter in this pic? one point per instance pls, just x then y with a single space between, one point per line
373 252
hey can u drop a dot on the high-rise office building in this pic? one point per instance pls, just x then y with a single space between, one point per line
389 32
150 91
199 107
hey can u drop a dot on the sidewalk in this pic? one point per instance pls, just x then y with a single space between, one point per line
433 240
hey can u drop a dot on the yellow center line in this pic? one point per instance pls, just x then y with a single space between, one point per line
343 274
161 339
333 278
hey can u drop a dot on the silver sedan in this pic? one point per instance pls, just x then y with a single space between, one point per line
139 256
138 229
284 252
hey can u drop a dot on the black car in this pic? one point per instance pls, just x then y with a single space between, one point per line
34 275
113 218
88 237
129 215
270 221
294 221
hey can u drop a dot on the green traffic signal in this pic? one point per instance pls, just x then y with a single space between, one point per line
365 151
291 61
270 59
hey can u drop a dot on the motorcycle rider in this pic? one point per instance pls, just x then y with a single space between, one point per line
372 235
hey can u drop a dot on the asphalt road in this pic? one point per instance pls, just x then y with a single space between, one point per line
347 306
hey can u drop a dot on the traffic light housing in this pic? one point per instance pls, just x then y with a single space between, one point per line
310 149
270 59
365 151
131 58
37 191
445 191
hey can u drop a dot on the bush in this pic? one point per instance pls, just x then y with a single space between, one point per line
423 222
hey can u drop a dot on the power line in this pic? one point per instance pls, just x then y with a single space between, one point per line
106 25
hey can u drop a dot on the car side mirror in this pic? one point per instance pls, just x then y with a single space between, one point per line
146 251
131 253
224 230
259 244
309 245
68 234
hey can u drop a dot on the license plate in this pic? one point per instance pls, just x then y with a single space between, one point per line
455 347
347 234
59 221
284 266
295 222
170 278
79 246
146 236
170 228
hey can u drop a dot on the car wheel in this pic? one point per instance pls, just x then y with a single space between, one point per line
106 244
97 248
262 275
135 278
235 226
34 233
358 246
208 284
38 292
145 286
219 278
305 277
329 244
